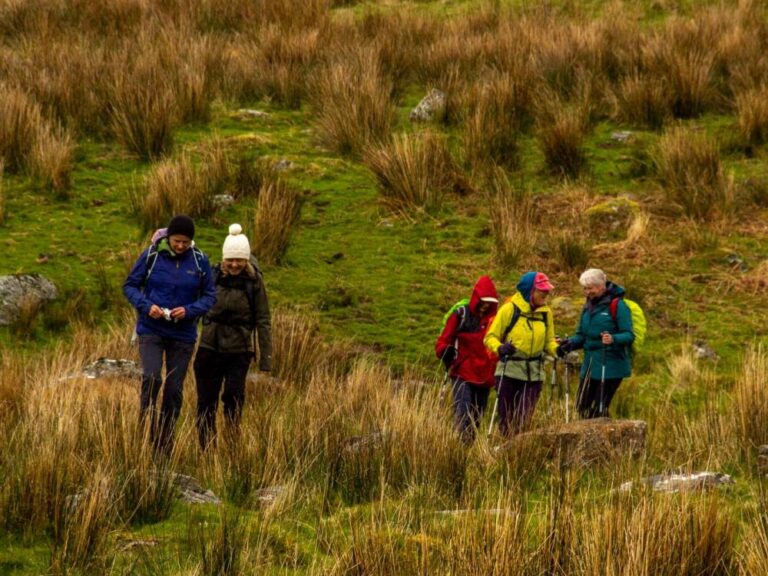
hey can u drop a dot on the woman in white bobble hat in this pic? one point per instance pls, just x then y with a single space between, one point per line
227 342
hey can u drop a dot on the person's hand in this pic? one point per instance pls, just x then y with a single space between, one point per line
155 312
178 313
607 338
563 349
449 357
506 349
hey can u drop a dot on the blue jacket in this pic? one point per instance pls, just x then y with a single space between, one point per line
595 319
176 280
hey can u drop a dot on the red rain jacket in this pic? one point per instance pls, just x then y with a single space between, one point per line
474 363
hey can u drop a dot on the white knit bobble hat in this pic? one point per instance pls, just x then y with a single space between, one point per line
236 244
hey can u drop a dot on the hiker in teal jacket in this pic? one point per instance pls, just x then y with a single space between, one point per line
606 342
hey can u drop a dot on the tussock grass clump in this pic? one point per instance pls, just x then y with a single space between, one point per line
571 249
512 222
353 102
752 110
143 112
561 130
50 162
643 99
751 398
295 343
20 122
88 520
671 535
412 171
499 109
3 202
277 212
173 187
691 173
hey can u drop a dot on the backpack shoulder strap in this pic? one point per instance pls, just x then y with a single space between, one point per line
515 317
462 312
613 307
150 261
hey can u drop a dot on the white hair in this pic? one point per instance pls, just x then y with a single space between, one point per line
592 277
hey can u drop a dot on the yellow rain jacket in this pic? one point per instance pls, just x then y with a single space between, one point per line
532 335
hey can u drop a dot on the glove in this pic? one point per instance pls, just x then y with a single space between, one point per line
563 349
506 349
449 357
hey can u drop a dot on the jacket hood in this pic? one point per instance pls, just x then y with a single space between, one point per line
614 290
484 288
525 286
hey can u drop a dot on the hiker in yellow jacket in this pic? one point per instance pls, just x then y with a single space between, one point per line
520 334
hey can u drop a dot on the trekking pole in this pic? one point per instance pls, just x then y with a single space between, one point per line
443 387
567 392
498 393
602 382
552 383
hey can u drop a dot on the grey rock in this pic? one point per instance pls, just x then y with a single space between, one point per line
268 496
250 113
357 444
736 262
703 351
112 368
621 136
283 165
674 483
223 201
191 491
16 290
431 108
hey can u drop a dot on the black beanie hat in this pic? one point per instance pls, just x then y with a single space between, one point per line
183 225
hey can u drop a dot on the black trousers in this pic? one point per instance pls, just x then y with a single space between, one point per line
177 355
594 396
212 370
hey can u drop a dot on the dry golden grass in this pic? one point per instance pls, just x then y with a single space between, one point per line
20 123
277 212
751 398
691 172
3 201
752 110
353 102
499 108
412 171
561 131
51 162
512 222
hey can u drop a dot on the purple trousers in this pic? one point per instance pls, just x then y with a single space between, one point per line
517 401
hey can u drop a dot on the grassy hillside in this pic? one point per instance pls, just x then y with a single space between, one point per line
575 134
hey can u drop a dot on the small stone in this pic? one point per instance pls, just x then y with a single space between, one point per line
250 113
223 201
736 263
431 108
268 496
673 483
112 368
703 351
621 136
191 492
283 165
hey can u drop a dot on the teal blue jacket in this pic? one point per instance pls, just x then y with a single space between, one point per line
595 319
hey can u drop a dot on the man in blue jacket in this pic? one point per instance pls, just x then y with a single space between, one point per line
171 287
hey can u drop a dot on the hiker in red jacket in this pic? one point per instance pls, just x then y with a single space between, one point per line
470 365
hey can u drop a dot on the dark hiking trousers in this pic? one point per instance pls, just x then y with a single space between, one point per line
177 357
517 401
469 402
212 369
588 396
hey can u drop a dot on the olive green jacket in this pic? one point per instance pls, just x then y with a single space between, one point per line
228 327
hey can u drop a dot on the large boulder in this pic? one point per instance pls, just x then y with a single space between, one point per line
583 442
19 290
